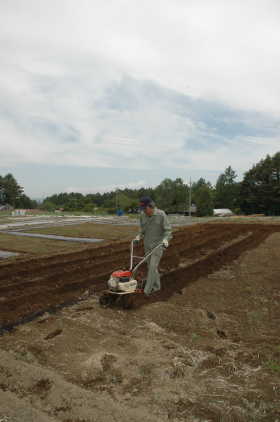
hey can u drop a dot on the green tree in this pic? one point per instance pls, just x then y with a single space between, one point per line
227 190
25 202
203 198
260 188
164 194
10 190
199 184
48 205
171 195
73 204
2 190
123 201
181 193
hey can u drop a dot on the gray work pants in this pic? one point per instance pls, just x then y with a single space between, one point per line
153 278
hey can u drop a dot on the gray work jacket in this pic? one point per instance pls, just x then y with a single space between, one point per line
154 228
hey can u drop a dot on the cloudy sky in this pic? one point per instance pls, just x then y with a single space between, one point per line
96 95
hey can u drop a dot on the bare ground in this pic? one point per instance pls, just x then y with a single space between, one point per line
207 348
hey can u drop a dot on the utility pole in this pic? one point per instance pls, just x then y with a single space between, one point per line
190 199
117 200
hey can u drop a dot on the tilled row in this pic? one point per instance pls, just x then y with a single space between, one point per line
176 280
52 288
111 256
40 266
93 268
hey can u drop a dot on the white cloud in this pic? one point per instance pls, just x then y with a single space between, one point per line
73 90
226 50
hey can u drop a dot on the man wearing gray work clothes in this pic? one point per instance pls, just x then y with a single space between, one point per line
154 229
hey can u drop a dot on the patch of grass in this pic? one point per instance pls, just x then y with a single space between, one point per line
93 230
195 336
273 365
255 316
5 217
5 213
33 246
5 220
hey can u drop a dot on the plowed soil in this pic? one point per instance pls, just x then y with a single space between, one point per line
29 288
204 349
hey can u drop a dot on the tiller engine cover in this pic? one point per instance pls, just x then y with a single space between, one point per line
121 281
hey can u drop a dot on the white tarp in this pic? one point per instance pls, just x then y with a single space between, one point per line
222 212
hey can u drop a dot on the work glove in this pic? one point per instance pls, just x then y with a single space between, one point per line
137 238
165 243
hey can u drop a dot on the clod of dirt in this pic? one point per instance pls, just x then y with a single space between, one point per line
42 387
44 318
211 315
99 368
25 355
221 334
107 361
178 368
76 420
39 352
53 334
85 295
84 308
92 368
169 346
155 328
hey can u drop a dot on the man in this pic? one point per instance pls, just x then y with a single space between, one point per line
154 229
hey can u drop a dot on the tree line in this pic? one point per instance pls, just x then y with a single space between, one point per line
258 192
170 195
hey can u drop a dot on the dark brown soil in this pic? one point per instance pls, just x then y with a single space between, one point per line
28 288
206 348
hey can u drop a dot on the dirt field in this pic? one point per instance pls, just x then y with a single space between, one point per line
99 231
32 247
42 247
206 348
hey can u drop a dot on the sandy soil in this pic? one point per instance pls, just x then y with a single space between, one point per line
207 348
